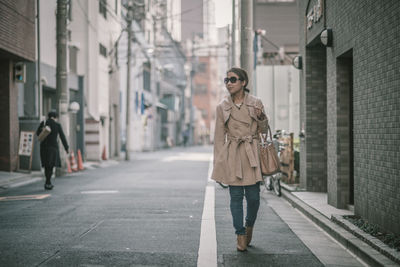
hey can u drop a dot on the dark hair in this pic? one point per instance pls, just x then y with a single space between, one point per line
242 74
52 114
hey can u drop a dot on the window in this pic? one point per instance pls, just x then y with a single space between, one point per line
202 67
103 8
73 57
70 10
200 89
158 88
204 113
146 76
103 50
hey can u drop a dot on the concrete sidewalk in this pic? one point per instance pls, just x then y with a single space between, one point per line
315 206
16 179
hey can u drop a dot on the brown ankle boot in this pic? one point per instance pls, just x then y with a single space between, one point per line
241 243
249 234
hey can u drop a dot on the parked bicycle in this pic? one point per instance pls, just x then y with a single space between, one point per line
273 182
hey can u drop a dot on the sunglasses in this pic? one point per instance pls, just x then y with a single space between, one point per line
231 79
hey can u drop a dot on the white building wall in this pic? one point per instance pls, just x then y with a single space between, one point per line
210 30
48 38
174 19
141 127
89 28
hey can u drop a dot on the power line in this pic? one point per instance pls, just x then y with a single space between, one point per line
275 45
86 15
185 11
122 57
198 22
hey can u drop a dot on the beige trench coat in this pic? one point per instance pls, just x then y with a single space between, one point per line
236 142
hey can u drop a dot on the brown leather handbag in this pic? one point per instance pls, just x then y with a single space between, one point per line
269 160
46 130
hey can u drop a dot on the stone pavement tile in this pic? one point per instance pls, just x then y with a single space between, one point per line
327 250
319 201
340 261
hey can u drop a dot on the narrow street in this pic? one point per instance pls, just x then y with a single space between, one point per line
148 212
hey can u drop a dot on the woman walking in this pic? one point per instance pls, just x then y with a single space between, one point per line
49 152
239 120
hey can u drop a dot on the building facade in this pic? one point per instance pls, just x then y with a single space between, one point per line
199 34
96 29
17 45
350 106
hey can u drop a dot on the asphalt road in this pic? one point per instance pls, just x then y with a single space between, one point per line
146 212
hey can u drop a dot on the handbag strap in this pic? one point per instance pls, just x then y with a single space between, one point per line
262 139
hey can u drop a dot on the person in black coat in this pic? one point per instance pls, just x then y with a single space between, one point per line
49 151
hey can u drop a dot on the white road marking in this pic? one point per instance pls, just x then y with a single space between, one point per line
187 157
24 197
207 255
100 192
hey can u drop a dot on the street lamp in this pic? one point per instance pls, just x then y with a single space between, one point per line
74 107
326 37
298 62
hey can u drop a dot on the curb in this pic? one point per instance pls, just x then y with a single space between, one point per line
348 240
22 179
370 240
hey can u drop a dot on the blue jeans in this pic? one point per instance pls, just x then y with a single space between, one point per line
252 194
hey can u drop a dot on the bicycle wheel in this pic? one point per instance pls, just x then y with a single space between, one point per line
268 183
277 187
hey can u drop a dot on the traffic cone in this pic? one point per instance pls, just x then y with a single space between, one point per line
68 166
104 155
80 163
74 166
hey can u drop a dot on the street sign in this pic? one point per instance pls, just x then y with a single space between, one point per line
25 148
26 143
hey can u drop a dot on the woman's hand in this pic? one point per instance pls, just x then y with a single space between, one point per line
260 114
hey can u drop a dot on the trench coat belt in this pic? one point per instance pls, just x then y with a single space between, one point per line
246 140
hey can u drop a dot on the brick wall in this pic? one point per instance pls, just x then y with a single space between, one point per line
338 117
17 28
315 120
371 30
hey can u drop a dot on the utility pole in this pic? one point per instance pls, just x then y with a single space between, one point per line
246 38
61 74
233 46
129 18
229 60
191 118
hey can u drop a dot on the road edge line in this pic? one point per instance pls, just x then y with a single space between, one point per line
207 255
